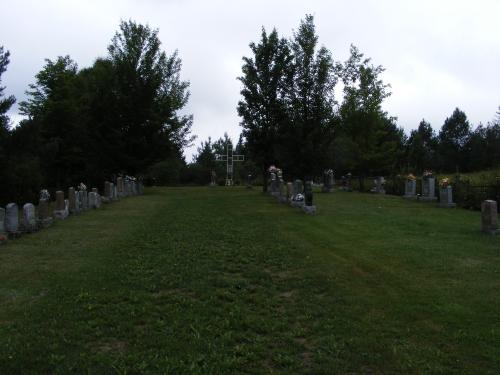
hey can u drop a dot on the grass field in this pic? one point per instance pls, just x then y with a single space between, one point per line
224 281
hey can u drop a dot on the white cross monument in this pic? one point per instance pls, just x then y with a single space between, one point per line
229 158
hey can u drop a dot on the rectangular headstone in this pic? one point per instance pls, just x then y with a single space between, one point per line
44 220
12 218
62 209
29 218
410 188
59 200
72 200
446 197
2 220
428 189
489 217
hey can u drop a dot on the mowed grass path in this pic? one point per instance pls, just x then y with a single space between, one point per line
224 281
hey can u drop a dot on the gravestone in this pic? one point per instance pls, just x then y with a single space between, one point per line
83 197
141 188
106 198
92 200
213 178
29 218
72 200
44 220
249 181
114 192
12 219
2 220
379 182
3 234
410 189
78 202
489 217
446 197
298 194
119 186
282 195
308 207
346 182
95 190
60 212
428 189
289 191
328 181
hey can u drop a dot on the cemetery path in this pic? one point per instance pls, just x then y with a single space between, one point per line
224 281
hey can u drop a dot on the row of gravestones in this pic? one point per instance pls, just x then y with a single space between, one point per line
296 194
489 208
429 191
78 201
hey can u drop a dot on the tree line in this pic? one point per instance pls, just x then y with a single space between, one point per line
122 115
291 118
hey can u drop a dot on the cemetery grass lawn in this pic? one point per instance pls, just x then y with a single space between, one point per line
224 281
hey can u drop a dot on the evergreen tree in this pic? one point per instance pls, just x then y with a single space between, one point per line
149 96
368 134
263 108
309 134
422 148
5 102
453 137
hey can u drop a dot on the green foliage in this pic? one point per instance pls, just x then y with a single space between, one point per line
310 132
453 137
263 109
121 115
5 102
421 148
369 134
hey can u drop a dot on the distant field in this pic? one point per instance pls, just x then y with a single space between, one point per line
227 280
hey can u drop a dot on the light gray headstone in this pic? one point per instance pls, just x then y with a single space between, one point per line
12 218
446 197
410 188
92 200
428 188
29 217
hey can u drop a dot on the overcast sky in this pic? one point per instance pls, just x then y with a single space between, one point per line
438 55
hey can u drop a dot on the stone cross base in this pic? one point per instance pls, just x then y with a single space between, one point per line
310 210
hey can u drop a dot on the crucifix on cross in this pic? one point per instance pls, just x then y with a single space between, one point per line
229 158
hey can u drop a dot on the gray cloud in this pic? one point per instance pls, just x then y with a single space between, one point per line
437 55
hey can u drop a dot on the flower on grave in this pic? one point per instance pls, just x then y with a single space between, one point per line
428 174
444 182
44 194
299 198
273 169
411 177
3 238
82 187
